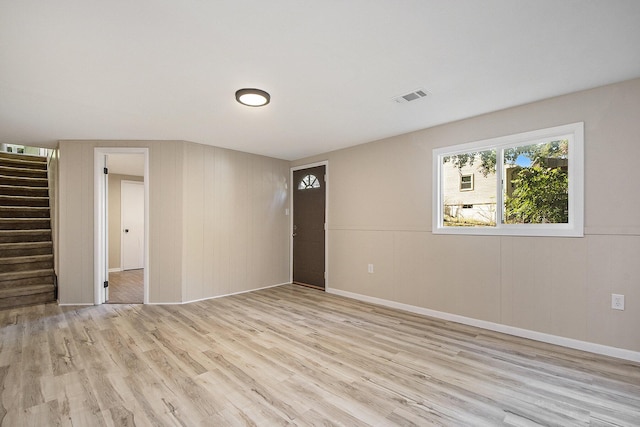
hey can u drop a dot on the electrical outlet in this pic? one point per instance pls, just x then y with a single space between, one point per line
370 268
617 302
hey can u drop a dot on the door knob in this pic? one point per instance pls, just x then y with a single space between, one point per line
294 234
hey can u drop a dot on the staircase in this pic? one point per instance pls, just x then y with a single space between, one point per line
26 248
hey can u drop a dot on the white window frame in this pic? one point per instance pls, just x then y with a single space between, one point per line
573 132
470 175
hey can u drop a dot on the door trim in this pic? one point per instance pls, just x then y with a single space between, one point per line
101 221
324 163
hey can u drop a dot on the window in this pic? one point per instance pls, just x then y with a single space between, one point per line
309 181
466 182
529 184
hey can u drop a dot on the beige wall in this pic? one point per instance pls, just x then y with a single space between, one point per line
380 210
115 232
210 227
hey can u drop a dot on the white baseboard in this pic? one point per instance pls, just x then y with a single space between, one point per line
217 296
115 270
84 304
497 327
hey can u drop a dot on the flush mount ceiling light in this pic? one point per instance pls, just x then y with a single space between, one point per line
253 97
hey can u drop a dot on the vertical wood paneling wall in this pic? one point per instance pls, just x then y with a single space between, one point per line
380 210
165 221
75 205
235 236
217 221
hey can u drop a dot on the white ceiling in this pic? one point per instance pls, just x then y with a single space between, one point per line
162 69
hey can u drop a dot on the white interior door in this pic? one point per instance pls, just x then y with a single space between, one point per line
132 214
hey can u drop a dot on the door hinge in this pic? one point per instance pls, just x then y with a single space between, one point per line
106 283
106 171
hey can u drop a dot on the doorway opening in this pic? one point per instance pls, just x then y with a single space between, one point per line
122 218
126 228
308 228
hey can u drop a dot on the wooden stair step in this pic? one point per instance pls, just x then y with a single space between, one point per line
26 281
25 259
24 201
24 164
24 212
25 290
14 236
26 157
24 223
26 263
19 275
22 172
21 190
27 245
24 249
27 295
24 181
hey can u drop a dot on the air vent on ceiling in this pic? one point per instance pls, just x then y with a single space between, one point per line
411 96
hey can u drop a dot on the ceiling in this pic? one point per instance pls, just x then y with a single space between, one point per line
160 69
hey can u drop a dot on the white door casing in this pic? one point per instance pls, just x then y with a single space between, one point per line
101 261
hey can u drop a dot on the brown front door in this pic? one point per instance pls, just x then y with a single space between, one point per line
309 190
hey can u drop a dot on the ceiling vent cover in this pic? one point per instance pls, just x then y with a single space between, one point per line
411 96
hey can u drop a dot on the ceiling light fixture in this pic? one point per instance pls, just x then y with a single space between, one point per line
253 97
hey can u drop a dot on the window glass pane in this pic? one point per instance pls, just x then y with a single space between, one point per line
309 181
536 183
469 189
536 188
466 182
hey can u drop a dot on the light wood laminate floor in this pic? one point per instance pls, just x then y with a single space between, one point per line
126 287
293 356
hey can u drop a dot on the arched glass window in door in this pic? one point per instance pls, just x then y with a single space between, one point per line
309 181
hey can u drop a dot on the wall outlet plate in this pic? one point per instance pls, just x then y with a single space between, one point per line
617 302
